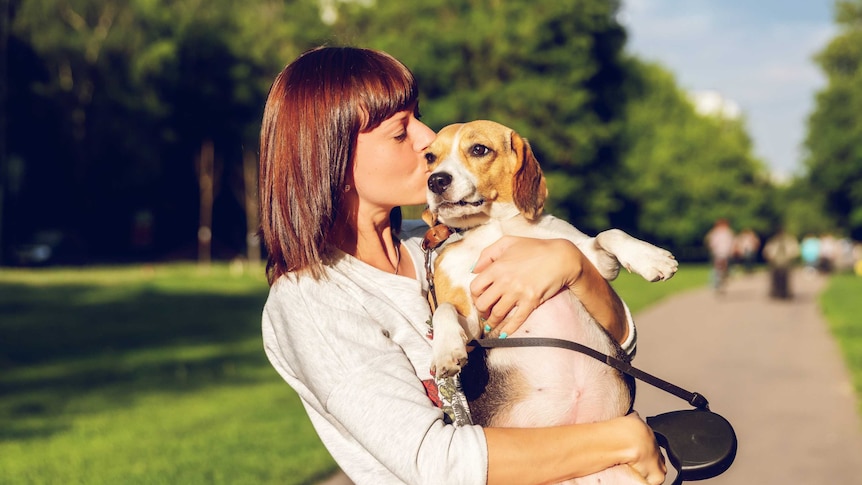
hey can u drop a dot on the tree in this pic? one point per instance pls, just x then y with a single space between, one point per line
113 101
4 171
682 170
550 70
802 208
834 162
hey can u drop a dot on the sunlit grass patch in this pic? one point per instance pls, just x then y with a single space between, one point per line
841 303
145 374
156 374
639 293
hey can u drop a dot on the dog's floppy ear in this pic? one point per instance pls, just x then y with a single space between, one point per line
529 189
429 217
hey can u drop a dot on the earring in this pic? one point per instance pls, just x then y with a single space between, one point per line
346 188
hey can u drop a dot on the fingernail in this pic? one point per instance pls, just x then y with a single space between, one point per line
503 334
473 266
487 328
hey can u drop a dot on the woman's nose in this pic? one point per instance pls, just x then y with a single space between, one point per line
424 136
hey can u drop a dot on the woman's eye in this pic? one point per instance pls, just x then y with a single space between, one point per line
479 150
402 136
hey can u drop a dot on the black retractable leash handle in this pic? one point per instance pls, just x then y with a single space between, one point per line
700 444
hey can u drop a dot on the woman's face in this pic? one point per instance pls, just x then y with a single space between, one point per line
389 168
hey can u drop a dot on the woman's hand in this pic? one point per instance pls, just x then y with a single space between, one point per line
558 453
515 275
646 457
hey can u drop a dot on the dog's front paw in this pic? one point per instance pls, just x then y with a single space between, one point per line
651 262
449 347
448 362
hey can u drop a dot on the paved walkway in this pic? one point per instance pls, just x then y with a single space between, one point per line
771 368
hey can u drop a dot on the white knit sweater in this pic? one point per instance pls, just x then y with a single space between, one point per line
354 347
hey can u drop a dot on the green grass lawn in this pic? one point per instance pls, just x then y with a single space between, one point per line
155 374
639 294
841 304
147 375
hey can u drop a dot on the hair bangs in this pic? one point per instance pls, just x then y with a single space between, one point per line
387 88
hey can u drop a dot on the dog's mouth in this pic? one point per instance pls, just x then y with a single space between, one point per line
463 213
461 203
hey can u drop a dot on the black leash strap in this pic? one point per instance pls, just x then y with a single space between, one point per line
693 398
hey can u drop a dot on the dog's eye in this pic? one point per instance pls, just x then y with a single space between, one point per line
479 150
430 157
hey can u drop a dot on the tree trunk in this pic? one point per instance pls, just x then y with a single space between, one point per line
252 216
206 181
4 34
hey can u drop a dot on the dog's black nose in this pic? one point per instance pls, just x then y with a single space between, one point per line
438 182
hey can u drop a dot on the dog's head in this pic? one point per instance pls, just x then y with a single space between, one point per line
482 170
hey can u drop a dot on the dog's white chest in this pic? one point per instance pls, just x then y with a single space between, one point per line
462 255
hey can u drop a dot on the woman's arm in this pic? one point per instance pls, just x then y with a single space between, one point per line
518 274
515 275
550 455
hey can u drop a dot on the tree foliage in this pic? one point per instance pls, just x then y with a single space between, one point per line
550 70
114 100
126 92
683 170
834 162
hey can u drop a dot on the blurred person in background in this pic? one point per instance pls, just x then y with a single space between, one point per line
810 252
746 247
780 252
719 241
829 252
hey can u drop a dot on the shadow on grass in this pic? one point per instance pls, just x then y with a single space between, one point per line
78 348
41 325
39 406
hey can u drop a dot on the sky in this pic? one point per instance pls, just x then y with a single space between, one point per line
755 53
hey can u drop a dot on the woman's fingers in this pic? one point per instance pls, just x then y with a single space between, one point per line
502 299
515 275
516 317
492 253
649 462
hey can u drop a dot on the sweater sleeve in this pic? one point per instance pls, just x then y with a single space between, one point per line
363 393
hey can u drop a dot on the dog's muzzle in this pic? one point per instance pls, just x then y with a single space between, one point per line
439 182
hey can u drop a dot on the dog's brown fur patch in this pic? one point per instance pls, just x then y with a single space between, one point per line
494 175
529 188
448 291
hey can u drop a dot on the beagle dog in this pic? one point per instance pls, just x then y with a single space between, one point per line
486 183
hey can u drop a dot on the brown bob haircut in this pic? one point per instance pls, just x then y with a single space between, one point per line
316 108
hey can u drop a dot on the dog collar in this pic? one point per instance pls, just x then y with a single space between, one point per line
435 236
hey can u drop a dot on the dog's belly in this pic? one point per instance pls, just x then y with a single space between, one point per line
547 386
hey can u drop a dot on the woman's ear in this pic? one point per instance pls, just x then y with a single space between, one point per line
529 190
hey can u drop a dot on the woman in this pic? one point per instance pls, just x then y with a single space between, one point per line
719 241
345 323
